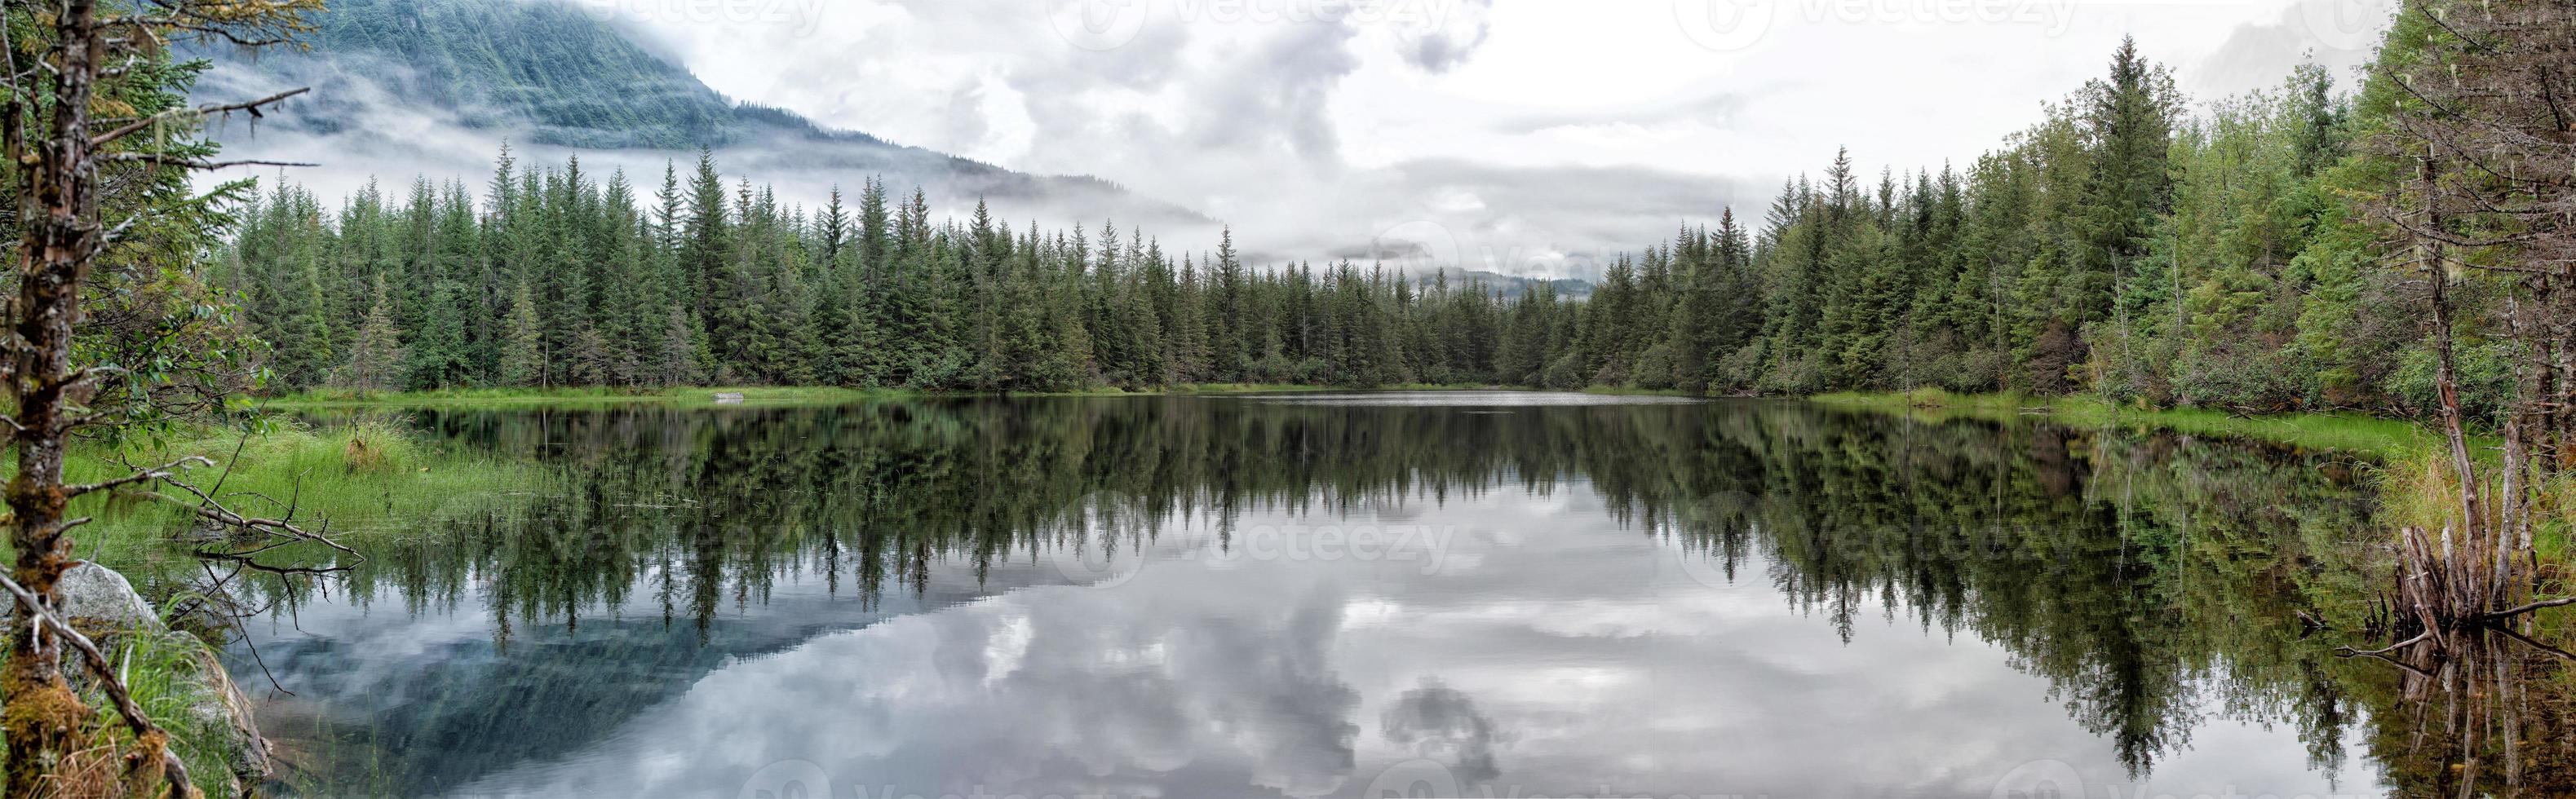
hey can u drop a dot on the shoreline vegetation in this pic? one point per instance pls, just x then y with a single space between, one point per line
360 473
2415 483
356 480
375 471
2257 253
2376 436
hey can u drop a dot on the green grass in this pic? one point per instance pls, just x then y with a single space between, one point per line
2413 477
361 480
167 672
2390 439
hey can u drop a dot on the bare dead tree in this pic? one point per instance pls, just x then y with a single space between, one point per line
67 135
2484 122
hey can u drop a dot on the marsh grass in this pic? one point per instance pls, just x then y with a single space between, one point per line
362 480
160 669
2412 475
2345 432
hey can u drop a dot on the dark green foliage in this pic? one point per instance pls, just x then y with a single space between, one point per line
2119 247
553 278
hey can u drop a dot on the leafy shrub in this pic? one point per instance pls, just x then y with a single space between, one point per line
2485 374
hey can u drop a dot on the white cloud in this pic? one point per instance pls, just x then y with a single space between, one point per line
1543 137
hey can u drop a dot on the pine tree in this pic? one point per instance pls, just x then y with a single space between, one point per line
376 358
703 246
682 356
303 339
523 358
2204 261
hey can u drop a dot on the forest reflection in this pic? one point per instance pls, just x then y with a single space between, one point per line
2157 582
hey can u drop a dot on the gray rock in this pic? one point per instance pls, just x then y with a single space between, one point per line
103 605
221 711
94 595
94 598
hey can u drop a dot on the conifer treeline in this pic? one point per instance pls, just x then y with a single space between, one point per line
2124 245
555 278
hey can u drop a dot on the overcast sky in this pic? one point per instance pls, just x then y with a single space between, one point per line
1518 136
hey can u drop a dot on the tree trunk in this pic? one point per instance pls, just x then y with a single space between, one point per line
2446 379
60 235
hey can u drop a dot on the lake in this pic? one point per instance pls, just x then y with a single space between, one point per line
1382 594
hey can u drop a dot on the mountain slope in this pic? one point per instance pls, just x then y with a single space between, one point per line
394 78
1511 287
555 73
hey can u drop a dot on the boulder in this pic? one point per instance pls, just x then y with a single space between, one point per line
95 598
95 595
103 605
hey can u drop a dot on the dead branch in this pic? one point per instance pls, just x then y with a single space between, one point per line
200 112
2347 652
2535 606
161 159
213 510
162 472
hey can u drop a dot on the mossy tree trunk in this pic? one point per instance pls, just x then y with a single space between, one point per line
62 124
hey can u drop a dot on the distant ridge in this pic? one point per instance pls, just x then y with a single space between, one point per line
1511 287
545 72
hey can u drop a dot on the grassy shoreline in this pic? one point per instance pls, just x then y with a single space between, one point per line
368 481
2412 475
2390 439
362 472
358 481
2406 454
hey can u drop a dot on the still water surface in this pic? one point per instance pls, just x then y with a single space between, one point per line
1480 594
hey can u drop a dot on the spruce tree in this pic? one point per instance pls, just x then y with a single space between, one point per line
523 358
375 361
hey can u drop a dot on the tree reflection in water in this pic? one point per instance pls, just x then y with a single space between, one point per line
2156 581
